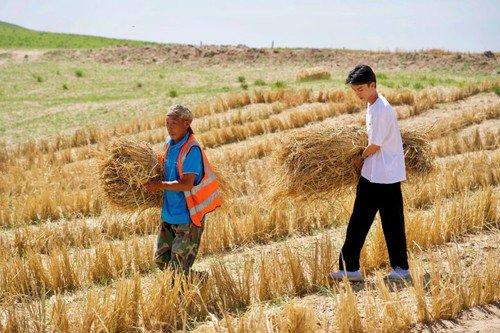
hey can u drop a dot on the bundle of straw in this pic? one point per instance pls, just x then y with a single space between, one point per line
319 159
418 151
316 73
124 169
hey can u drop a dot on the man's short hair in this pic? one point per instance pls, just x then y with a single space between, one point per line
361 74
181 112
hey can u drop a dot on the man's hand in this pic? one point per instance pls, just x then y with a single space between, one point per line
358 164
153 186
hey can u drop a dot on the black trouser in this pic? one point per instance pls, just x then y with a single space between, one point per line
370 198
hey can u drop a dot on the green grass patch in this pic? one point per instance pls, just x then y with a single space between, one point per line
106 93
279 84
421 80
259 83
14 36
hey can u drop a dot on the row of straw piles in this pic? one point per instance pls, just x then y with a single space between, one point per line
319 159
124 168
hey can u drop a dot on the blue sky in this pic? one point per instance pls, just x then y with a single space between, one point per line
376 25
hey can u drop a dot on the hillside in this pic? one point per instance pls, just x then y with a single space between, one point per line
13 36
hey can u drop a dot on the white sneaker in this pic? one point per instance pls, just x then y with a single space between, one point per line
399 274
350 275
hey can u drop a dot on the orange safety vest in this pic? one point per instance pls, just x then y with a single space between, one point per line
204 197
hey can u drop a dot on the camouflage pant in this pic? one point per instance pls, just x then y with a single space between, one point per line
177 245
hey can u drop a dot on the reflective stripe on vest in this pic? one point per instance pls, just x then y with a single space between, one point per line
203 183
197 212
204 197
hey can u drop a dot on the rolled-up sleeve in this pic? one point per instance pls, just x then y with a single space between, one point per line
379 128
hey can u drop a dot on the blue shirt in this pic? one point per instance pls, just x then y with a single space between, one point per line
174 210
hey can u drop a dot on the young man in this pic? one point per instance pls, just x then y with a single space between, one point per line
190 191
379 188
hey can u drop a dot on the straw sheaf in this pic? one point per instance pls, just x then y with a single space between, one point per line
319 159
315 73
125 166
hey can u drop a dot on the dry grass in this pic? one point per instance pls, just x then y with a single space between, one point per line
239 116
470 211
316 73
386 310
465 118
290 318
59 149
347 314
47 154
457 144
439 292
450 289
426 228
64 270
55 201
255 224
124 170
93 135
427 99
281 274
64 259
294 118
319 159
79 233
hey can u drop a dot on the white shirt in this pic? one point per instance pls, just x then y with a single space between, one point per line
386 166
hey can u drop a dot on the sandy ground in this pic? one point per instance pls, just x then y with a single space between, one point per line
340 58
20 55
214 54
484 319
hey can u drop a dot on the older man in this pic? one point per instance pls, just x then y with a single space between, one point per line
190 191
